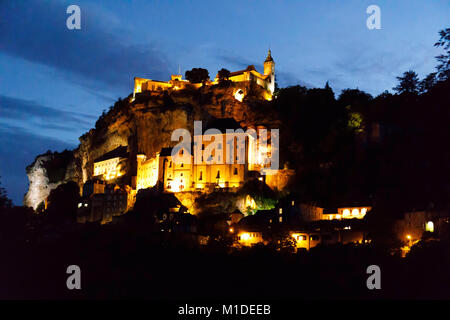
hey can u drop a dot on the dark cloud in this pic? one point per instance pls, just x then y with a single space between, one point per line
19 149
49 118
36 31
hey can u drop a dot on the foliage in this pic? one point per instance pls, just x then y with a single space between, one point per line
428 82
355 121
5 202
197 75
444 59
265 198
223 74
408 83
216 203
62 203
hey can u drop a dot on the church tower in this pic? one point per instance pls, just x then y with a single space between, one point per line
269 69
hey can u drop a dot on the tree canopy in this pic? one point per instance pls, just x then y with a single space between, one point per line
197 75
408 82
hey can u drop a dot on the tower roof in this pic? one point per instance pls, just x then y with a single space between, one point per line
269 57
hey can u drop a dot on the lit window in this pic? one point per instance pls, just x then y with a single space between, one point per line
280 211
355 212
429 226
346 212
363 211
280 219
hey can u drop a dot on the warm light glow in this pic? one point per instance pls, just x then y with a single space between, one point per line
346 213
338 216
355 212
245 236
429 226
363 211
408 237
239 95
250 202
231 230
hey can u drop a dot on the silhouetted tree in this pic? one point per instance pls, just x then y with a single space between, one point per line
444 59
409 83
197 75
62 203
223 74
5 202
427 83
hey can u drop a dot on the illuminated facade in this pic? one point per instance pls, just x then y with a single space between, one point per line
266 80
112 164
250 238
347 213
205 168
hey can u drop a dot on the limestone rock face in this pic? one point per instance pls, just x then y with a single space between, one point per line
47 172
145 126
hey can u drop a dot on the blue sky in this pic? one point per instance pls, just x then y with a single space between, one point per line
55 82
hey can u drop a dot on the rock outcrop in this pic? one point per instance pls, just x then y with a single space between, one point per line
145 126
47 172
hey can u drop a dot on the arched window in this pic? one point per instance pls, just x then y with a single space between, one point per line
235 171
201 175
218 175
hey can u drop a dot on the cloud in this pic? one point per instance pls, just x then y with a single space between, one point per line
19 148
48 118
93 56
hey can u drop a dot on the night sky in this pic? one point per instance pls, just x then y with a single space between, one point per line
55 82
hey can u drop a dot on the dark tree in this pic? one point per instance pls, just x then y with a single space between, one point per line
444 59
62 203
354 98
197 75
409 83
5 202
223 74
427 83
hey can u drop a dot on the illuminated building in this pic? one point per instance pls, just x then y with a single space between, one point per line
112 164
211 163
312 212
411 228
308 239
249 75
249 238
347 213
101 207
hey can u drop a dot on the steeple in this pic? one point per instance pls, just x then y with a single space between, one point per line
269 72
269 57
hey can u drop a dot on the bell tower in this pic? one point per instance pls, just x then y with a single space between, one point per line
269 70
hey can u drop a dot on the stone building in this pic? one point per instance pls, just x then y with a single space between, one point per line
265 80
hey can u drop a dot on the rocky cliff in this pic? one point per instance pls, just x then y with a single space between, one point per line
145 125
47 172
